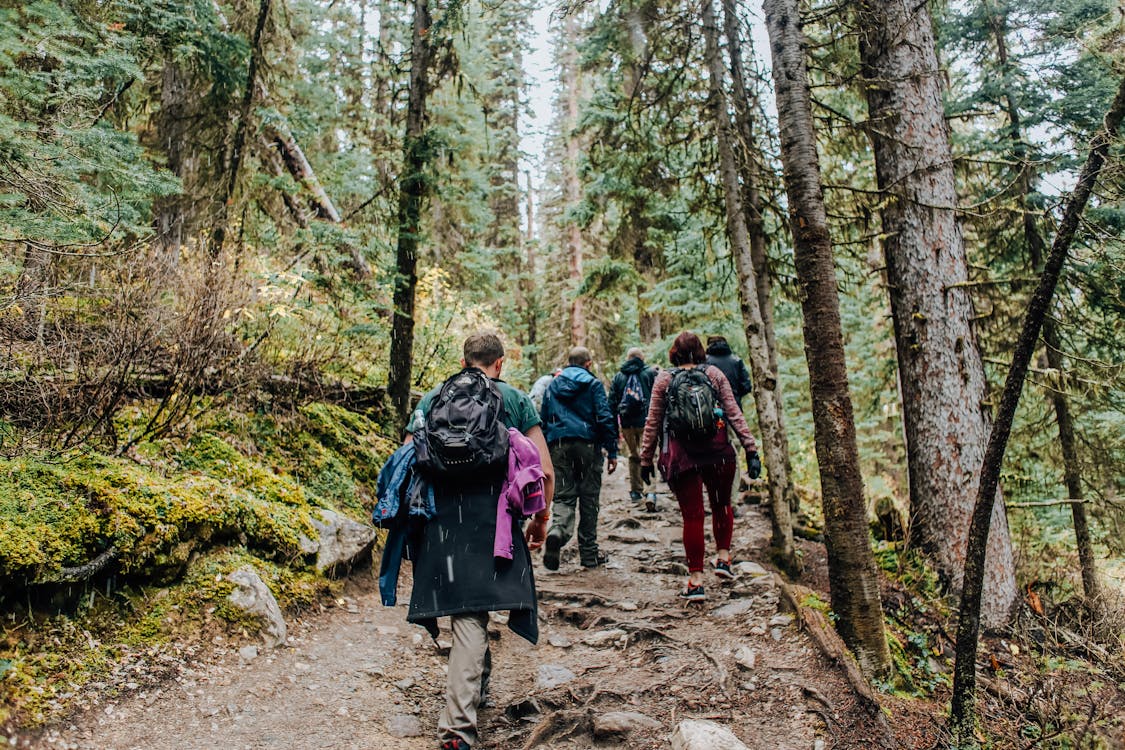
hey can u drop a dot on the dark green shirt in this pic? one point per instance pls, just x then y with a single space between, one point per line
521 413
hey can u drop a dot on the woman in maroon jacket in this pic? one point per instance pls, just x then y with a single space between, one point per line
690 468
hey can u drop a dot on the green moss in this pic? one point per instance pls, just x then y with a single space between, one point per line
240 489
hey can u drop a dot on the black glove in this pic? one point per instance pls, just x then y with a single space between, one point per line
647 473
753 464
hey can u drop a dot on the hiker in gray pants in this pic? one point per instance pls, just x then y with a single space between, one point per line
579 427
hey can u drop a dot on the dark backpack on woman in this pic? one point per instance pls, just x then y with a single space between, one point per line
464 431
692 405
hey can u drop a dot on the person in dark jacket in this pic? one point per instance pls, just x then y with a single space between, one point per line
579 428
455 570
720 355
632 409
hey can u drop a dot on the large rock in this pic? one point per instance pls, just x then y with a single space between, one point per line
254 597
340 539
694 734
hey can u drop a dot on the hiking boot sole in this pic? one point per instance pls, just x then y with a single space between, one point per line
551 553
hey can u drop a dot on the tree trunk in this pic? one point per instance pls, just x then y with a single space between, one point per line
572 190
749 163
943 382
414 189
963 708
234 162
853 579
531 274
1037 248
769 420
1072 474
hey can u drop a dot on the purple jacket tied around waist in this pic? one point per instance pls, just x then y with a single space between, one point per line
522 493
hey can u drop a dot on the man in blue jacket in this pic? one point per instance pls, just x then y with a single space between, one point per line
579 427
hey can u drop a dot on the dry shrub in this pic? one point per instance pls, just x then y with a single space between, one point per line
81 337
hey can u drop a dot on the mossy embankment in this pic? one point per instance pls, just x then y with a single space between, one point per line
172 518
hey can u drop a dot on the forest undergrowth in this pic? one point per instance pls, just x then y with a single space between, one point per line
175 516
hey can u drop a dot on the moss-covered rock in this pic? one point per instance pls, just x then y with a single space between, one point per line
240 489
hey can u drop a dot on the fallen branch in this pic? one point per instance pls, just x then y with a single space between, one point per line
85 571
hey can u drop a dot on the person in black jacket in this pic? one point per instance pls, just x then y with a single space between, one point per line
632 409
720 355
579 427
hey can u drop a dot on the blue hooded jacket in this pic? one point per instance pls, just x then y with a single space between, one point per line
575 406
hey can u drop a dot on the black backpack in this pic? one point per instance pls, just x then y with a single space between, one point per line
692 405
632 399
464 431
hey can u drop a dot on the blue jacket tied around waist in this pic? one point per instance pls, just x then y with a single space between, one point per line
405 501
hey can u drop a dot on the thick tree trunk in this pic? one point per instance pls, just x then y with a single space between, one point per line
413 192
749 164
769 418
943 382
963 707
174 122
853 579
572 189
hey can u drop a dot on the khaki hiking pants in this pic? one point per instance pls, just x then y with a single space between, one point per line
633 437
470 664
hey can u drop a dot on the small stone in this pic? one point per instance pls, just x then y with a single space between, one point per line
553 675
404 725
751 569
781 621
248 653
603 637
417 639
559 641
758 630
405 683
627 606
733 609
818 745
746 657
386 630
693 734
777 634
621 723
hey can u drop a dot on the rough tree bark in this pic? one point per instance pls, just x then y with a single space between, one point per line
749 166
963 707
853 579
414 189
769 420
572 188
942 376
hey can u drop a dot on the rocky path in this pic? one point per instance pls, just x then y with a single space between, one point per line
620 664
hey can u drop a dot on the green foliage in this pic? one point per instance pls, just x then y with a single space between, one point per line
69 177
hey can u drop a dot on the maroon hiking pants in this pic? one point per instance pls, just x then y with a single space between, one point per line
688 489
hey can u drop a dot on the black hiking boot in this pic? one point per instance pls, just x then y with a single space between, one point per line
691 593
650 502
551 552
600 559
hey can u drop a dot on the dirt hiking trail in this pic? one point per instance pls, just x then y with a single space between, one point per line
620 662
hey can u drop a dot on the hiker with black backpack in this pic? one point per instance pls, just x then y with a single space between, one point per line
472 556
629 395
690 407
580 428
